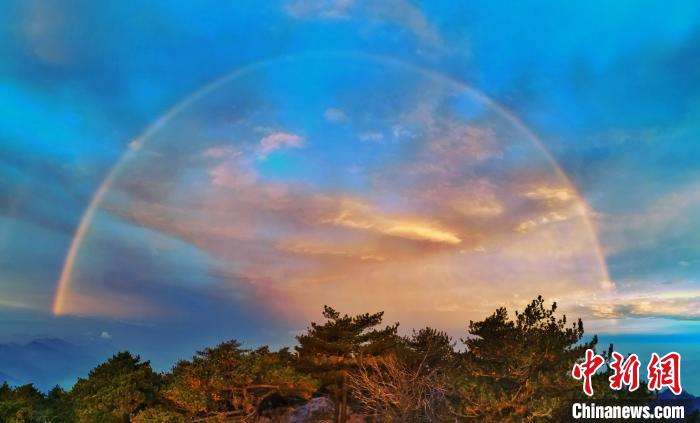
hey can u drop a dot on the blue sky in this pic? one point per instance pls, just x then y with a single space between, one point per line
417 157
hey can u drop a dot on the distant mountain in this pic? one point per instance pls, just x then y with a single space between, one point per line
689 401
49 361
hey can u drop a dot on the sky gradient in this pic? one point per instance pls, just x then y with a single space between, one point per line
174 175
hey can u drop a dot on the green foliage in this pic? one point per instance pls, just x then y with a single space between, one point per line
519 369
232 381
116 390
430 349
26 404
332 349
515 369
159 415
59 407
21 404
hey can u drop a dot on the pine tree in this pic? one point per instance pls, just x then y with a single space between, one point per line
520 369
116 390
430 349
22 404
230 381
59 407
330 350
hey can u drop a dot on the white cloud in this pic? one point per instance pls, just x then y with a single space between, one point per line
335 115
43 27
105 335
398 12
371 136
135 145
320 9
679 305
278 140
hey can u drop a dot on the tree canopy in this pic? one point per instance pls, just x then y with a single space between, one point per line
116 390
231 381
331 350
508 369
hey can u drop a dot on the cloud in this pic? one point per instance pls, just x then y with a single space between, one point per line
654 303
371 136
220 152
531 224
17 304
105 335
398 12
313 248
135 145
335 115
232 174
406 14
279 140
361 216
323 9
651 227
421 231
43 30
476 198
456 144
548 193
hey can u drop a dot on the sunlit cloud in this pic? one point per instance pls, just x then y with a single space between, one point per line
361 216
548 193
327 249
678 305
531 224
421 231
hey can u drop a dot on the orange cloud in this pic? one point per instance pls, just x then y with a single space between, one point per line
361 216
548 193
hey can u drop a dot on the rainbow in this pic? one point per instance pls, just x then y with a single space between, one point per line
81 232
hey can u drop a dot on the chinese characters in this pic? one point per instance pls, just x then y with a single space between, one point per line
662 372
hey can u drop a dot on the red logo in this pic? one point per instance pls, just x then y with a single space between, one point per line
587 369
662 372
625 372
665 372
